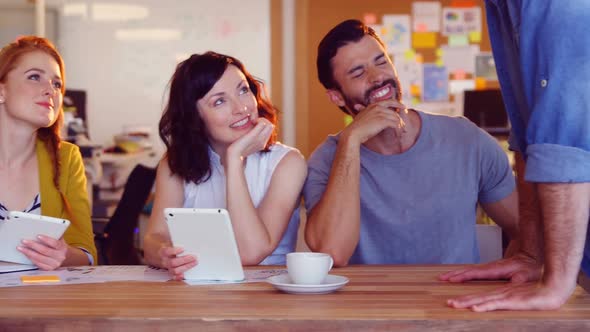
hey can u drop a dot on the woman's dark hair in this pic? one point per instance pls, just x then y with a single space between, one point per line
181 127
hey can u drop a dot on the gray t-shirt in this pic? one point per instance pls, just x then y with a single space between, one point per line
419 207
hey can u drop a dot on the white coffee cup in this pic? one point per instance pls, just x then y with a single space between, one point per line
308 268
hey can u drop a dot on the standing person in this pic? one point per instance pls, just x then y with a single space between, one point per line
222 153
543 67
39 173
397 186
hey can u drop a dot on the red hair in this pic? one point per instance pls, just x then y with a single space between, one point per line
9 57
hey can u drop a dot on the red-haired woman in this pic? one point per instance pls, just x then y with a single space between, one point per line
38 172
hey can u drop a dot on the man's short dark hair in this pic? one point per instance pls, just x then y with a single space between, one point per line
349 31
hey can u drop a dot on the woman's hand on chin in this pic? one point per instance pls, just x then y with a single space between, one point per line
253 141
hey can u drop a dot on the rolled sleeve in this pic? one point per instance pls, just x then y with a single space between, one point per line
557 163
558 131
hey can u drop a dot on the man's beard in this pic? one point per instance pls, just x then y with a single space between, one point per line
350 102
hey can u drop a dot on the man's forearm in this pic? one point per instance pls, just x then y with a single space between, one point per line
333 225
530 225
565 219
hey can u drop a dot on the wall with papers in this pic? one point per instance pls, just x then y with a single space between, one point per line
439 48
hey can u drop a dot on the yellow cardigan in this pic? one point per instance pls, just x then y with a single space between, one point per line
72 181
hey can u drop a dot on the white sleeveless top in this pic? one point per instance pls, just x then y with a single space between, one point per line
259 169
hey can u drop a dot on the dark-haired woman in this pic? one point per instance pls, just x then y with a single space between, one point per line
220 135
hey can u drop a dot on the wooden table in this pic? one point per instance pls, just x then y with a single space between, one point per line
397 298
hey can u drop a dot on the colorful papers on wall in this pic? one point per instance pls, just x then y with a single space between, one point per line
436 83
458 86
485 66
460 57
461 20
440 82
395 33
410 76
424 39
458 40
426 16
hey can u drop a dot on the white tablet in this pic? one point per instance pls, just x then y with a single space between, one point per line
208 235
20 226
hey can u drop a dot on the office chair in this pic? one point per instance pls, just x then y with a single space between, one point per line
116 243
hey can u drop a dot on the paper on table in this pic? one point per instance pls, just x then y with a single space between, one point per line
250 276
262 275
92 274
121 272
14 279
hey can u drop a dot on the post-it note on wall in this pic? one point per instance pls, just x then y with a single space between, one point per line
475 36
458 40
480 83
424 39
409 54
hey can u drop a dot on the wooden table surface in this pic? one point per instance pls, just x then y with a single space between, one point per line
397 298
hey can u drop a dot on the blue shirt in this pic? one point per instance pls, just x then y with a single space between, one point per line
542 56
419 207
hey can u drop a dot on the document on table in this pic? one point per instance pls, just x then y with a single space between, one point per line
250 276
108 273
90 274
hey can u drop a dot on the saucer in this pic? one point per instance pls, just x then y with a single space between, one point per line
283 282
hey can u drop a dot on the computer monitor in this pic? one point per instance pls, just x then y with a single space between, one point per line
486 109
75 101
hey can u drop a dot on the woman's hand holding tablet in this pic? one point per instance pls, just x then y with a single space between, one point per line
27 238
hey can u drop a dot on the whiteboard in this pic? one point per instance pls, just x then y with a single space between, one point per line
126 77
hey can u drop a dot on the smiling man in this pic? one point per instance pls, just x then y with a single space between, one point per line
397 186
